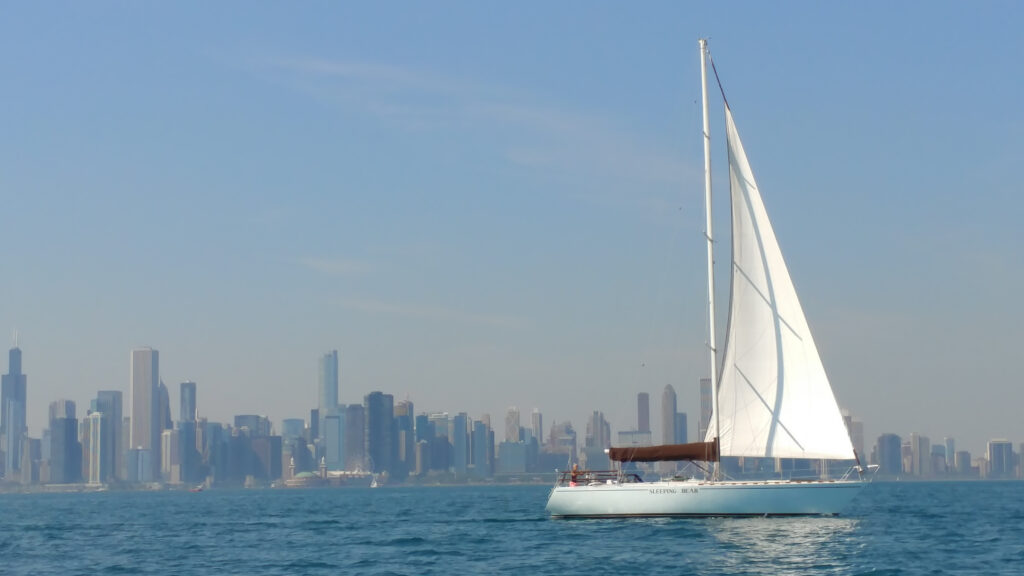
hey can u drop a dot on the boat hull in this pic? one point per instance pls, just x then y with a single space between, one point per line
699 498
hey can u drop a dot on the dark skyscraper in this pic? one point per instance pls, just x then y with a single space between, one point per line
65 450
188 402
459 438
109 404
164 421
380 410
681 428
889 452
668 415
643 412
13 428
355 437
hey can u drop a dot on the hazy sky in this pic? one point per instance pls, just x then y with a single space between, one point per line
492 204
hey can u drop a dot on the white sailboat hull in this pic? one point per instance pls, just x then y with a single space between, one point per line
700 498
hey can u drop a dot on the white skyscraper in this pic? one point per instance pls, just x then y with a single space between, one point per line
145 432
97 473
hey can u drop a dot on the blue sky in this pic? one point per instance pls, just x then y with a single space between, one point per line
485 205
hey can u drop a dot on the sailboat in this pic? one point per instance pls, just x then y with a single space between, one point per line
773 399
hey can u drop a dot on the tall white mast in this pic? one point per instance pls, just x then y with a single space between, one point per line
712 342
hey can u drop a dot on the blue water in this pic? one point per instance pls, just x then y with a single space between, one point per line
892 528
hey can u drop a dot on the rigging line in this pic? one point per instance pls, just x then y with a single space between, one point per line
717 79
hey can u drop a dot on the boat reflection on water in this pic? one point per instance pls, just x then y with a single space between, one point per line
797 545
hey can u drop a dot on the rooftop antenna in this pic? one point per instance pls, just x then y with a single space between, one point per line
15 337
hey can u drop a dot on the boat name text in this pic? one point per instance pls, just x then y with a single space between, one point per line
673 490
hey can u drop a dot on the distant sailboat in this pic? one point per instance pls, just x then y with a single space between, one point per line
773 399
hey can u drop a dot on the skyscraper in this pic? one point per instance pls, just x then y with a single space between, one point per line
327 382
1000 459
188 441
145 429
459 436
668 415
333 441
99 460
681 426
643 412
188 402
380 415
65 450
355 437
13 428
921 459
512 425
163 398
889 453
109 404
537 424
705 409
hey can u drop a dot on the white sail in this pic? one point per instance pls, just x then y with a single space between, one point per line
774 399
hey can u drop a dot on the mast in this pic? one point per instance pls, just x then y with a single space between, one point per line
712 342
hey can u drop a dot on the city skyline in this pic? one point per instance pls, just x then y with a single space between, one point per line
144 369
481 207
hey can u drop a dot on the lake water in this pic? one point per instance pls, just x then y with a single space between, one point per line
892 528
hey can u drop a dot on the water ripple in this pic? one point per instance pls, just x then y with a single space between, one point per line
954 528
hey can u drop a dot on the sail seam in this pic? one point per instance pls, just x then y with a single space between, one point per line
767 407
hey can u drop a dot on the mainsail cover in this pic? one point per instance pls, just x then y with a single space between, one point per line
774 399
702 451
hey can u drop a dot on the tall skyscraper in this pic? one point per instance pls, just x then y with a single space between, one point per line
705 409
188 402
668 415
109 404
145 429
13 402
950 454
482 450
355 437
643 412
681 426
921 451
1000 459
334 442
189 458
512 425
164 421
99 460
65 450
380 415
889 453
327 382
459 436
405 437
537 424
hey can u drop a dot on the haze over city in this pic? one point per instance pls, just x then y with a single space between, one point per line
482 206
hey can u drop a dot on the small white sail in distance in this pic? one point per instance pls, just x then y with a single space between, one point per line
774 398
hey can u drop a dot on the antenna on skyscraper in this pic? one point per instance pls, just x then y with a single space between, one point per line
15 337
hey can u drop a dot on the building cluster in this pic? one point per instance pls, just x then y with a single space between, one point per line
138 442
114 443
918 458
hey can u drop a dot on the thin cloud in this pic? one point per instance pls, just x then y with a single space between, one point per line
435 313
536 136
334 266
